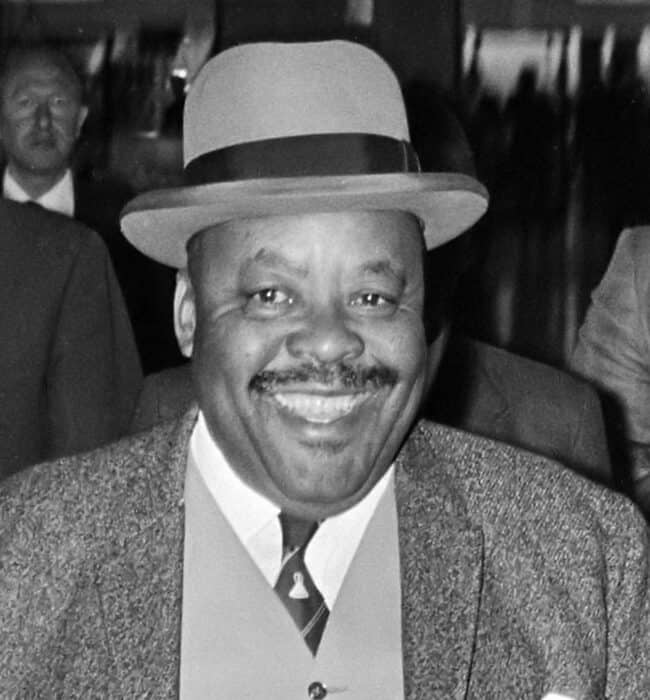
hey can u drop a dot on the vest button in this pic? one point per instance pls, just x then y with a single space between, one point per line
316 691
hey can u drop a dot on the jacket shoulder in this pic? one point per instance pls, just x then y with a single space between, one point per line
637 240
499 483
631 259
528 379
72 506
39 232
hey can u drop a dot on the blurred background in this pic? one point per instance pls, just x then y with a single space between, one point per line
553 95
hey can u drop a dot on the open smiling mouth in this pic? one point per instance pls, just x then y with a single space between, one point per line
320 408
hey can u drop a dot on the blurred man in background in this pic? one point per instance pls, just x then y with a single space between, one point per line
42 112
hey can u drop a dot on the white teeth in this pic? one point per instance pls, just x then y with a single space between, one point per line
317 408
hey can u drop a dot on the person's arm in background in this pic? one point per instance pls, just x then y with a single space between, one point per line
94 374
613 350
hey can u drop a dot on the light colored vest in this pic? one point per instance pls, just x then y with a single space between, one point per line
238 641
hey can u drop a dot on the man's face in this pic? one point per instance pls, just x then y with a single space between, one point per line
40 116
308 349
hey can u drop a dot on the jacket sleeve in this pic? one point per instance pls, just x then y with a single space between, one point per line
94 374
613 344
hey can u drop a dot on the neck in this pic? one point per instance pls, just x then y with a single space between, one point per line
35 184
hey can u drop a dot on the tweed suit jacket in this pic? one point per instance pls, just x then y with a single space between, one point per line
69 369
519 578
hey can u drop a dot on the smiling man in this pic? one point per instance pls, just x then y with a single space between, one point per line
309 349
296 534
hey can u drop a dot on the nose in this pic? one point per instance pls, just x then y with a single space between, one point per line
43 115
325 337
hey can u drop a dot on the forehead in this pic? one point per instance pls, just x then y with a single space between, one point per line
345 238
39 71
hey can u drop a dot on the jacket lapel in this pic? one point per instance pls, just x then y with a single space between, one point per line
140 581
441 560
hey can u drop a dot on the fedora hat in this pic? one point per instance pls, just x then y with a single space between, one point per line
278 129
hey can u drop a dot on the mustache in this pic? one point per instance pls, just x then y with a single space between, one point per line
340 375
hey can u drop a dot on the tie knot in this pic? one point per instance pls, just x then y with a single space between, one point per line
296 532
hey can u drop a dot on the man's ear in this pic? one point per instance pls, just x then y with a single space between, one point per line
184 313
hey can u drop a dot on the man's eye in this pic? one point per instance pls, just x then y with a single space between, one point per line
62 101
271 296
372 300
269 301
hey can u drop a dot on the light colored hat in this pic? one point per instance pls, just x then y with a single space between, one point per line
279 129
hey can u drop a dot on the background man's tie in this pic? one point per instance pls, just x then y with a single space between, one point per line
295 586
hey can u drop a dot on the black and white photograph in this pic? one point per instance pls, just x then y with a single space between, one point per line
325 349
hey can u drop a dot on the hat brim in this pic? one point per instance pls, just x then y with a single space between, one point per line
160 223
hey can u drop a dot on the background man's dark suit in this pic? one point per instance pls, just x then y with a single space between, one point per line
478 388
492 392
148 286
69 370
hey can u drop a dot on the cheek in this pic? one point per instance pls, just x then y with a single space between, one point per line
404 346
66 127
24 129
13 128
235 349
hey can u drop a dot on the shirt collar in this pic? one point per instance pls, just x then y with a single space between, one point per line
246 510
59 198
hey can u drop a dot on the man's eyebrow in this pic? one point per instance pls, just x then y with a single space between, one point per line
384 267
271 258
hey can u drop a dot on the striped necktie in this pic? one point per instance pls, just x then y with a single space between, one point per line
295 586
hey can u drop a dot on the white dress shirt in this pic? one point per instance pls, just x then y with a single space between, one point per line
254 519
59 198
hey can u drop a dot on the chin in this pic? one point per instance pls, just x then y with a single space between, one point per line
334 488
